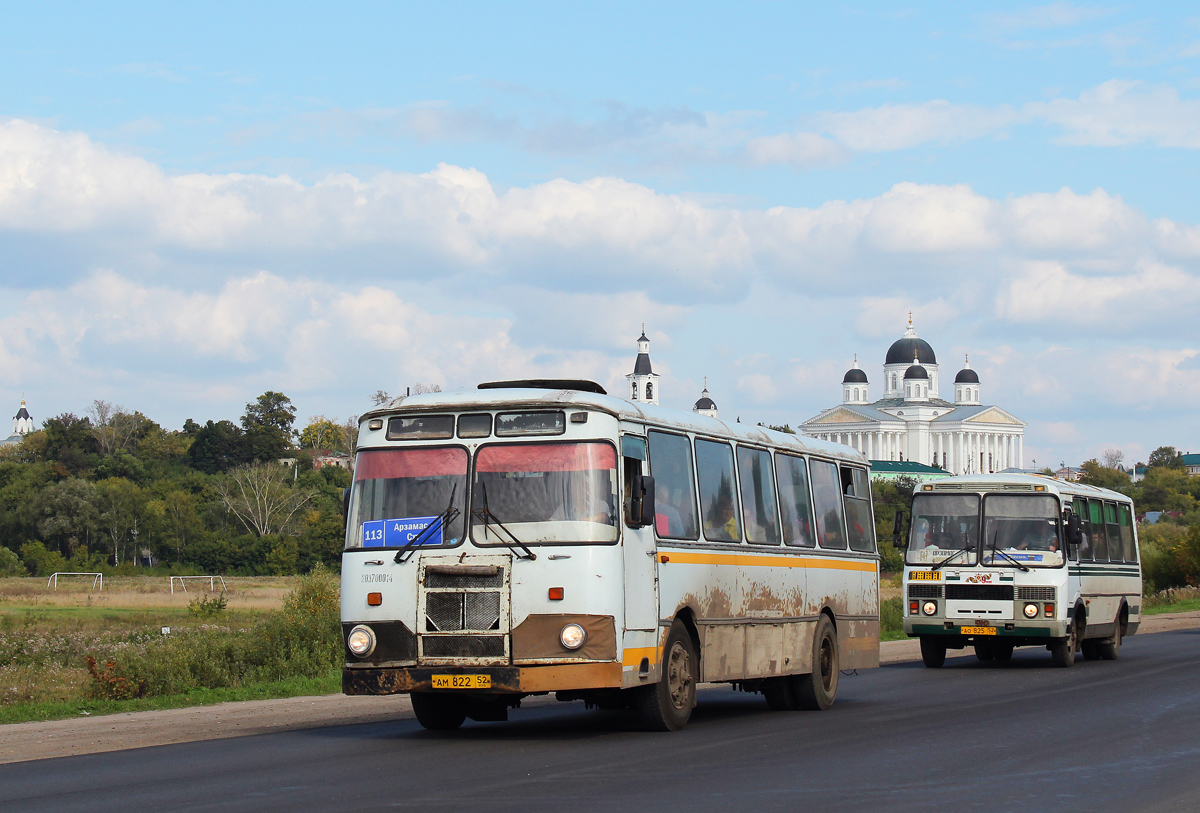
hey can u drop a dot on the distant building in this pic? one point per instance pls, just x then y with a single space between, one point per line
911 422
1191 463
895 469
327 457
1071 473
705 405
22 426
643 381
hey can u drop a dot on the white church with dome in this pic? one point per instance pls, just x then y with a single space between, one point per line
912 422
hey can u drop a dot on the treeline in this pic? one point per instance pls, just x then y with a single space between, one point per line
92 492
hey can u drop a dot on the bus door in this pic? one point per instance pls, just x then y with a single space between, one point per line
640 563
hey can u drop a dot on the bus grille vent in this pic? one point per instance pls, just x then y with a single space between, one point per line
463 646
1035 593
979 592
454 612
924 591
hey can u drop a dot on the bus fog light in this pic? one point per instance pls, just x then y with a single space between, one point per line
929 608
1031 610
361 641
572 636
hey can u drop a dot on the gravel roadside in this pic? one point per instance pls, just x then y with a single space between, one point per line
116 732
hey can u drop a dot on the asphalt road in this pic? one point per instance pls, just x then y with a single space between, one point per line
1121 735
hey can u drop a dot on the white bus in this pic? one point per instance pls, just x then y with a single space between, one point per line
539 536
997 561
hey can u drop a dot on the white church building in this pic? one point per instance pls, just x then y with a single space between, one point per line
912 422
22 426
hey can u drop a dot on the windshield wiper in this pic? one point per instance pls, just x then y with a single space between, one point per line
952 556
1005 555
440 521
485 514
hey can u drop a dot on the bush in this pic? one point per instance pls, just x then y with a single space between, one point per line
301 640
208 606
10 564
42 562
891 617
1170 556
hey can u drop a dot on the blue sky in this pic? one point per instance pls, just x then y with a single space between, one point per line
197 204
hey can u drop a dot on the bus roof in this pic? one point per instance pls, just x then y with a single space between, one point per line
1020 482
467 400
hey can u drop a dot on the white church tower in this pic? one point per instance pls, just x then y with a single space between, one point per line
704 404
643 382
22 423
854 385
966 385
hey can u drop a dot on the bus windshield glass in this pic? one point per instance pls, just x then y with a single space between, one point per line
545 492
399 493
1021 529
944 526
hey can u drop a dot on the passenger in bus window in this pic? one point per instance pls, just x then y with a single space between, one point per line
721 522
667 521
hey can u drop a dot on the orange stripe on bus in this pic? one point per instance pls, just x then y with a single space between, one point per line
633 655
750 560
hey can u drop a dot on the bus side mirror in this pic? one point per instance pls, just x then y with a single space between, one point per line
898 529
1074 532
641 501
345 509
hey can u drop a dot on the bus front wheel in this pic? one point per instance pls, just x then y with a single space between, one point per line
933 651
667 705
438 712
1062 650
816 691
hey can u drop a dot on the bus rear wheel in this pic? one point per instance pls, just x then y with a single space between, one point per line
933 651
817 691
667 705
1110 648
438 712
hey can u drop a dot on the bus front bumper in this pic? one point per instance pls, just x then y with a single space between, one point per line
1005 629
501 679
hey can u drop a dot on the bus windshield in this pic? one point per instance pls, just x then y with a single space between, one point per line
943 525
398 493
545 492
1021 529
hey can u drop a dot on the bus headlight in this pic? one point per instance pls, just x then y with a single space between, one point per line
1031 610
572 636
929 608
361 641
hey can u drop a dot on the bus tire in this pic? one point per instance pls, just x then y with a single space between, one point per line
1002 651
438 712
933 651
984 651
816 691
1062 650
1090 649
667 705
1110 648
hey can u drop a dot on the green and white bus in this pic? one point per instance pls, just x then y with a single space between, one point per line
999 561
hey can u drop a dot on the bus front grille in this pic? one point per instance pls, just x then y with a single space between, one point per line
979 592
1035 593
924 591
456 612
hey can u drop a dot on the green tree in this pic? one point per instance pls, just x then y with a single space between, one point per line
217 447
69 441
41 562
67 514
1165 456
261 497
268 426
1096 474
1166 489
122 508
322 433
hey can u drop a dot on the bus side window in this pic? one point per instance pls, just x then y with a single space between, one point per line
718 500
793 501
1096 522
758 496
857 490
827 496
674 486
1113 531
1085 528
1125 521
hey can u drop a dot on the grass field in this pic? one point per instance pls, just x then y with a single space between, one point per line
1179 600
46 634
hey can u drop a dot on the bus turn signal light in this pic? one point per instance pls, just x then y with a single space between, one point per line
912 608
374 599
556 594
1049 610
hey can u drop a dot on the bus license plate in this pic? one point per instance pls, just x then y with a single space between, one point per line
462 681
924 576
978 631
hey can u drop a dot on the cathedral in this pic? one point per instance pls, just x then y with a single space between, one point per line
22 426
911 421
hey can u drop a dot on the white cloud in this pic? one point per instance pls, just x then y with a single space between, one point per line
1053 15
1120 112
797 149
903 126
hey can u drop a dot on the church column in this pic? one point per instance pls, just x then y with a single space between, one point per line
1021 451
